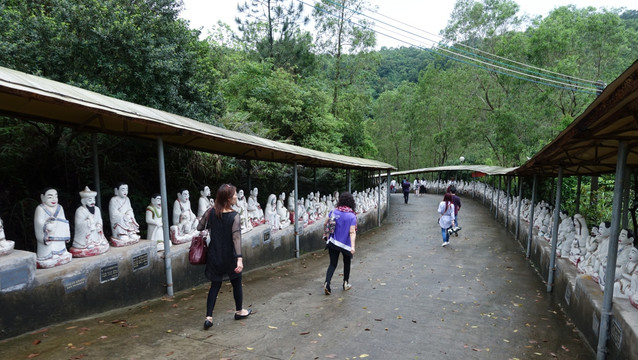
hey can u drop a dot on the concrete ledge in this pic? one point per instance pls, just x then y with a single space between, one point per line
124 276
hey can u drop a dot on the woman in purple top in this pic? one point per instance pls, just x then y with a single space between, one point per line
342 240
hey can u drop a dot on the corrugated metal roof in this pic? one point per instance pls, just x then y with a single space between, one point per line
489 170
27 96
589 145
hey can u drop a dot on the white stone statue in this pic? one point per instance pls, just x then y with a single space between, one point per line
182 208
579 245
6 246
271 215
566 236
242 209
291 202
284 214
586 265
155 230
184 231
89 239
309 206
205 202
255 213
52 231
600 261
624 286
303 215
625 244
123 224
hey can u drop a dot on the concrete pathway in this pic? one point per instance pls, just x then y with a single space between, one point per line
478 298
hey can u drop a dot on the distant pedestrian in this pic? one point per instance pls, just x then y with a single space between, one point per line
342 240
393 186
405 185
224 251
457 206
446 221
416 187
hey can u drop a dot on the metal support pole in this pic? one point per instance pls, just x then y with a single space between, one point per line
96 172
610 271
518 209
493 191
507 202
348 181
296 211
485 190
379 199
388 191
167 240
552 255
625 203
498 198
314 178
530 234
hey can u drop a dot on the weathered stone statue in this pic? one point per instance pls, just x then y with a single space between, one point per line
123 224
242 208
579 245
155 231
184 230
6 246
52 231
271 216
255 213
205 202
284 214
624 286
89 239
182 208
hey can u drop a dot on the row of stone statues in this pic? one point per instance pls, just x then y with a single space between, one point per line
585 249
52 229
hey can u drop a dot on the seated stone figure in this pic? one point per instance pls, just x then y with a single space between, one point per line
291 202
579 245
185 230
255 213
52 231
623 286
625 244
182 207
271 216
600 259
123 224
205 202
6 246
303 215
89 239
155 230
284 214
587 263
242 209
566 237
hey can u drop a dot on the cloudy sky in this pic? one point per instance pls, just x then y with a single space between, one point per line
423 17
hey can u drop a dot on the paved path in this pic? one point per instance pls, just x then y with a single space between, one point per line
478 298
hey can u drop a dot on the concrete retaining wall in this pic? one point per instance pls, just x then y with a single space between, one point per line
31 299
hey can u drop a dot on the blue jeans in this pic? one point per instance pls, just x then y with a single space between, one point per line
456 220
445 235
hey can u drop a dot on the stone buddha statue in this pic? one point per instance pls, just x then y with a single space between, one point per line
270 214
182 207
89 239
52 231
284 214
255 213
623 285
155 231
241 208
6 246
291 202
600 259
184 230
625 244
204 203
123 224
579 245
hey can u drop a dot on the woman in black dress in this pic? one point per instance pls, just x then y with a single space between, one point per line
223 257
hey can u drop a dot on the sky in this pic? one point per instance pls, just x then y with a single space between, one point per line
422 17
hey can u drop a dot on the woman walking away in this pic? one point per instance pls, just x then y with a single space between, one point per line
446 221
224 251
342 240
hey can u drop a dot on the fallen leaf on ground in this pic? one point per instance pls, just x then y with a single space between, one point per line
31 356
36 341
272 327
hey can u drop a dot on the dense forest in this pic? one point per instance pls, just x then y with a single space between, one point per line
495 89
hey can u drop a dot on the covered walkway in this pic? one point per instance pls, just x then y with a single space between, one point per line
479 298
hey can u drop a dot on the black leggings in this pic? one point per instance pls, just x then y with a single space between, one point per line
334 252
238 294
